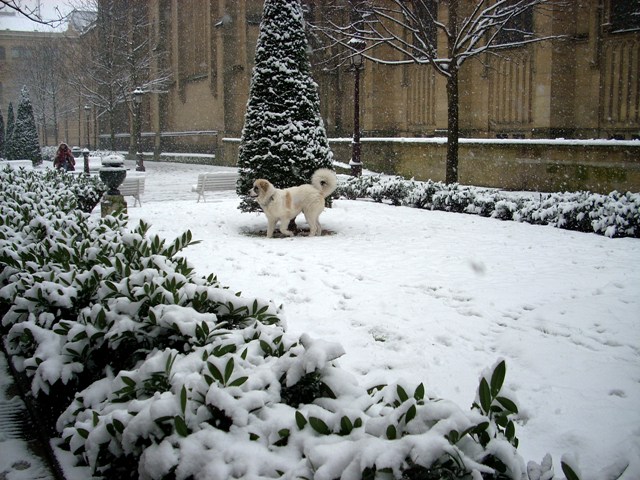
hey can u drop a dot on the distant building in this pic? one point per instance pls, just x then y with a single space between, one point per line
24 47
585 86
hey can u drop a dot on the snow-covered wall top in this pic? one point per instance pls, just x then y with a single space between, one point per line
502 141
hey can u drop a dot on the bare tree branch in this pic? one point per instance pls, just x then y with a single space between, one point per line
400 32
32 13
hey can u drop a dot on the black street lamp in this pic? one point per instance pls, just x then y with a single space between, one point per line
87 112
85 156
137 98
357 64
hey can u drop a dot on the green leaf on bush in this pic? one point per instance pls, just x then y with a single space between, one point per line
215 372
508 405
497 378
228 370
238 382
480 428
485 396
82 432
118 425
129 381
266 348
569 472
222 350
374 389
319 426
345 426
183 399
392 433
510 431
419 393
402 394
181 426
453 437
411 414
300 420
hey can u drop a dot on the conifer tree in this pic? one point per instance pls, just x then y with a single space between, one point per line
9 132
283 139
24 140
1 135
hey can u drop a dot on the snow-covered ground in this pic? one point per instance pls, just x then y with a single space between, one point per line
438 297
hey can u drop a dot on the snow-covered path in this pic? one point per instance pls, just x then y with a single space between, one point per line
437 297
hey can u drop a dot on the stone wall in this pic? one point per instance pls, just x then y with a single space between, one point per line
534 165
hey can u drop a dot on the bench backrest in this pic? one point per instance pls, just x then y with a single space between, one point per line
132 186
207 181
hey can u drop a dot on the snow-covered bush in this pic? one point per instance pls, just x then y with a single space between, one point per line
81 294
613 215
161 374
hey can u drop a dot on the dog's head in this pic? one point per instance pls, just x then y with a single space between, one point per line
260 188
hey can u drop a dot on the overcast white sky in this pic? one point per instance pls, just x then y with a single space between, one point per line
12 20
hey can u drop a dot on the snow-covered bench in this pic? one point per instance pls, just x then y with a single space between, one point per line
133 187
214 181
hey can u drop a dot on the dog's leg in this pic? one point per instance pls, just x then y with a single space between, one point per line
271 226
312 215
284 222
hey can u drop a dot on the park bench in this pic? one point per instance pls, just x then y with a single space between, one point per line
133 187
214 181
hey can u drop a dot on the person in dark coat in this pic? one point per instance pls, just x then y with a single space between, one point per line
64 159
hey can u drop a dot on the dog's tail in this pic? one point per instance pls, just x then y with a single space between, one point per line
324 180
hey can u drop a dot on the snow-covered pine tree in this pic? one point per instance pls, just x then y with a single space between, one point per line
9 132
283 139
1 135
24 140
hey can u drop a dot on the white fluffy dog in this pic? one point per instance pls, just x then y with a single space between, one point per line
284 205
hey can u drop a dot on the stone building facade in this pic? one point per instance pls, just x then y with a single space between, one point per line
585 85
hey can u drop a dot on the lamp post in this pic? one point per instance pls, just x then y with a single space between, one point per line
85 157
357 61
137 99
87 112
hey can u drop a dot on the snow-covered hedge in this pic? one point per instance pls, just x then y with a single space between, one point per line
155 373
613 215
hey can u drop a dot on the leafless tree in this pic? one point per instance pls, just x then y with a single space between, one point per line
410 30
32 13
46 76
116 55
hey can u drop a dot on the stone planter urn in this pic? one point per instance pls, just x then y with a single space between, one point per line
113 173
